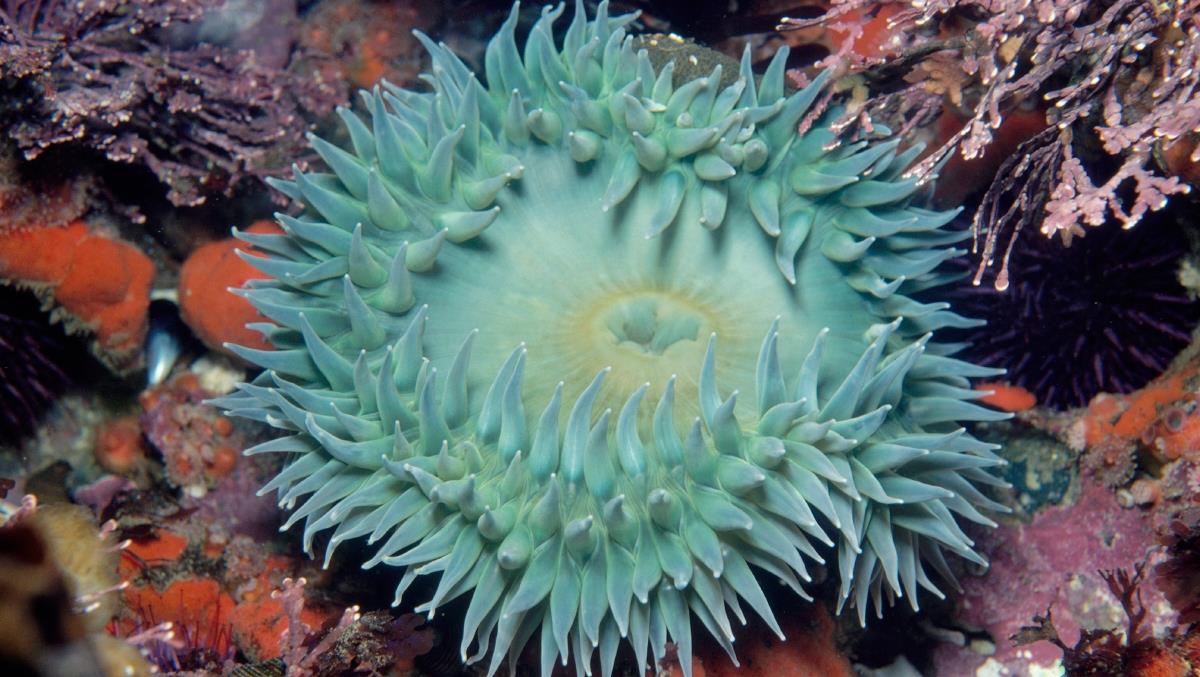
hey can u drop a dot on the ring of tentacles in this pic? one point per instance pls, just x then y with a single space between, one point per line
594 346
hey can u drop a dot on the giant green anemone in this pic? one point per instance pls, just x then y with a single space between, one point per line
597 344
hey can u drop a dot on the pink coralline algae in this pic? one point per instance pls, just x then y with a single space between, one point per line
1119 81
1130 649
1052 563
99 74
372 643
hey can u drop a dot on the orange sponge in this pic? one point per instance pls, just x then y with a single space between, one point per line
205 303
1007 397
97 284
197 607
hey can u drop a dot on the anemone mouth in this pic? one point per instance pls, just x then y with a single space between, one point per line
497 329
639 334
652 322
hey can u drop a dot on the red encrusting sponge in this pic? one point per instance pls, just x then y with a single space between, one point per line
214 313
92 282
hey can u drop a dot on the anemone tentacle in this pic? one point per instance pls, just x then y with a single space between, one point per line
497 325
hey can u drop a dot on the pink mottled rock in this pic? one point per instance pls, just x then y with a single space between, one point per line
99 494
1052 562
199 445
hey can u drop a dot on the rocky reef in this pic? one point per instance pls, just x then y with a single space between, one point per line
857 336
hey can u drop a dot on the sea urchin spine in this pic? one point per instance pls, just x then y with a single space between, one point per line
496 350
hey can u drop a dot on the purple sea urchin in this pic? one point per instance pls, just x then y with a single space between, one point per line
490 266
30 379
1106 314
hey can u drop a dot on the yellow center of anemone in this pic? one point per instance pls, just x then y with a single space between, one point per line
644 335
641 334
651 323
